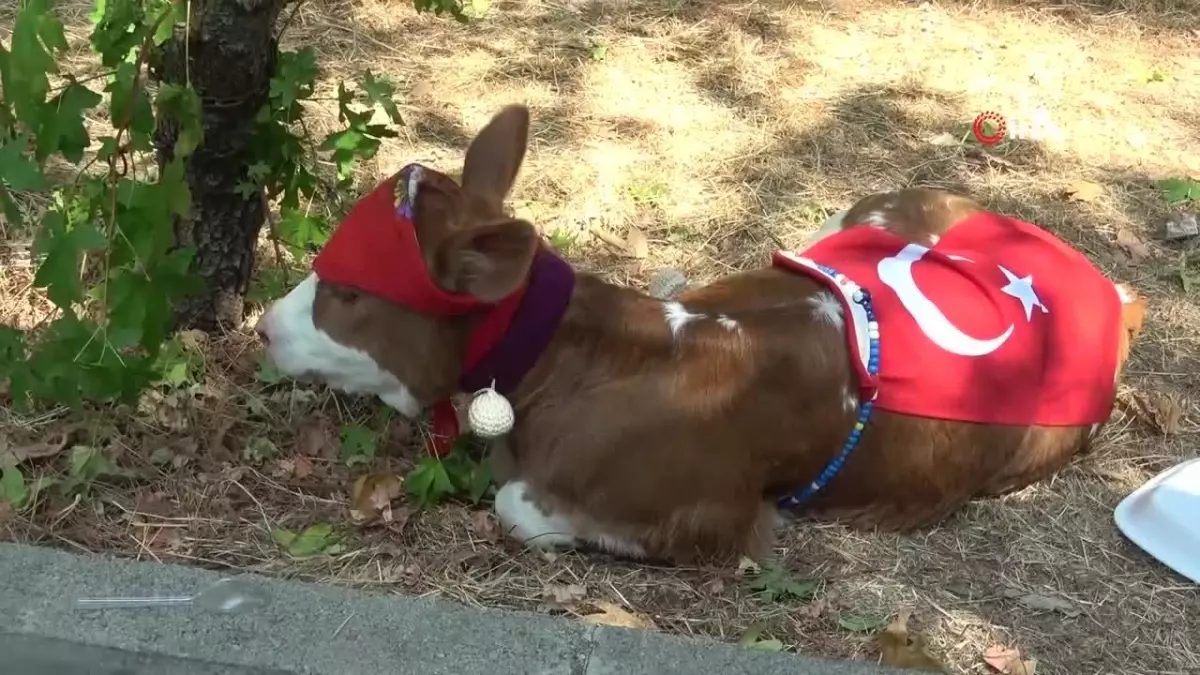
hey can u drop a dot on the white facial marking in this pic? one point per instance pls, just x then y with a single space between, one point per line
827 308
678 317
299 349
525 522
831 226
728 323
934 239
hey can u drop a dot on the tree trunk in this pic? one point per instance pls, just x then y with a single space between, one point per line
229 58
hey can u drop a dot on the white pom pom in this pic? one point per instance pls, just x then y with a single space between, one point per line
490 414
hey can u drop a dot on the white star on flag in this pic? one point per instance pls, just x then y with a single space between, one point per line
1021 288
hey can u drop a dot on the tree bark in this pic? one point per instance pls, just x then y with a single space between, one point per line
228 57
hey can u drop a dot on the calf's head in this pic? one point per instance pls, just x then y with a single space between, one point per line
391 300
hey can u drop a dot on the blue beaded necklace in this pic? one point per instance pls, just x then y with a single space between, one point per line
860 296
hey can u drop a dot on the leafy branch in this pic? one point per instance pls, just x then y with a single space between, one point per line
106 260
105 251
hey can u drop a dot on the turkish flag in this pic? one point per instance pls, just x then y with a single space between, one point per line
999 322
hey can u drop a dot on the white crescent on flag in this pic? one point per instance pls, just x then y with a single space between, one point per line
896 273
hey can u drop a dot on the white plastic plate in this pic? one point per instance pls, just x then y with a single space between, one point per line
1163 518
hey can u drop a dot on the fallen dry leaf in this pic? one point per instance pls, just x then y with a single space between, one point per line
486 526
1136 248
901 649
15 454
162 539
1045 603
607 237
372 494
284 468
636 243
315 438
747 567
814 609
1008 660
192 340
216 440
153 504
302 467
614 615
558 597
714 586
1084 191
945 139
1161 411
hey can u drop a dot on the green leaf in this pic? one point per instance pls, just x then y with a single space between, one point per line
181 104
774 584
173 183
9 207
12 486
313 540
1179 190
480 7
428 483
358 444
177 373
36 34
302 231
17 171
273 283
752 639
861 624
481 482
12 350
58 272
119 27
61 128
295 79
379 91
87 465
176 12
268 372
259 449
348 139
131 107
139 309
453 7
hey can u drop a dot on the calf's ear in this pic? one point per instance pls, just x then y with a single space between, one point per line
487 261
494 158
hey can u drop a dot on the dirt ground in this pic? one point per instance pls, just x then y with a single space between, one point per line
721 130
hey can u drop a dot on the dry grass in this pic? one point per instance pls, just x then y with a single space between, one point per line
724 129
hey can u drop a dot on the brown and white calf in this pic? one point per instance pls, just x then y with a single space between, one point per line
682 429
